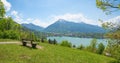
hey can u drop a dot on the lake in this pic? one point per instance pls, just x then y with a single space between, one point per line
77 41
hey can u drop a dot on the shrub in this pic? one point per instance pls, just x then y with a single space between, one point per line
66 43
42 40
10 34
74 46
92 46
101 48
81 47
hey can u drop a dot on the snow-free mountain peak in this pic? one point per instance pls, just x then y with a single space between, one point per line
64 26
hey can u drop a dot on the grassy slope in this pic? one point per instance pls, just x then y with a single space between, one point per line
49 54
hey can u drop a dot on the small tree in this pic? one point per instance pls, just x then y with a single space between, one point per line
92 46
54 41
101 48
50 41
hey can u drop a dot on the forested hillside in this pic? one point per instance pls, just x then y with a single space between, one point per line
9 29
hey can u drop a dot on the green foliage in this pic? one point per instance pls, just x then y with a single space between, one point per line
92 46
101 48
8 40
108 5
81 47
2 10
52 41
42 40
11 35
74 46
113 48
66 43
9 29
12 30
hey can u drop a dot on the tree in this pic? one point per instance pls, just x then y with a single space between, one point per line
54 41
2 10
101 48
92 46
113 47
50 41
42 40
108 5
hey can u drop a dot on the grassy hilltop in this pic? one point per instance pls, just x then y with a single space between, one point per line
48 54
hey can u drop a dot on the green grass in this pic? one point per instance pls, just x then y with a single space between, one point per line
49 54
7 40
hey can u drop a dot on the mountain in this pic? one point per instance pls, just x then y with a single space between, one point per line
62 26
32 27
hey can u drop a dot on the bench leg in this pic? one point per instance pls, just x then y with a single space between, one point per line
24 43
34 45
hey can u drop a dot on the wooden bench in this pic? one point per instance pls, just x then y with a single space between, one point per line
25 41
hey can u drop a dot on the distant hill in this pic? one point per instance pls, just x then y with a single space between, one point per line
66 26
32 27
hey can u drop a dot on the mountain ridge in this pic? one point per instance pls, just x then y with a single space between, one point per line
32 27
64 26
67 26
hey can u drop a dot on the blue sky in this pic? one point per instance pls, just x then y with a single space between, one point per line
46 12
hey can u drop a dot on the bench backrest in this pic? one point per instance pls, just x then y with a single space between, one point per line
27 40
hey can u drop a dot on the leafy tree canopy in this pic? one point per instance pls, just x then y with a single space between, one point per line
2 10
108 5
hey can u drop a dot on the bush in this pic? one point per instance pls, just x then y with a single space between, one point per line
74 46
81 47
92 46
66 43
10 34
113 48
42 40
101 48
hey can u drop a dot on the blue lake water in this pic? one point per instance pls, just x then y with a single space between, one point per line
78 41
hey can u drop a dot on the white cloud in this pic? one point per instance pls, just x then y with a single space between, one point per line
76 18
6 4
17 17
40 23
115 21
70 17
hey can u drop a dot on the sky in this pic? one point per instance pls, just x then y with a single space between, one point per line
45 12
